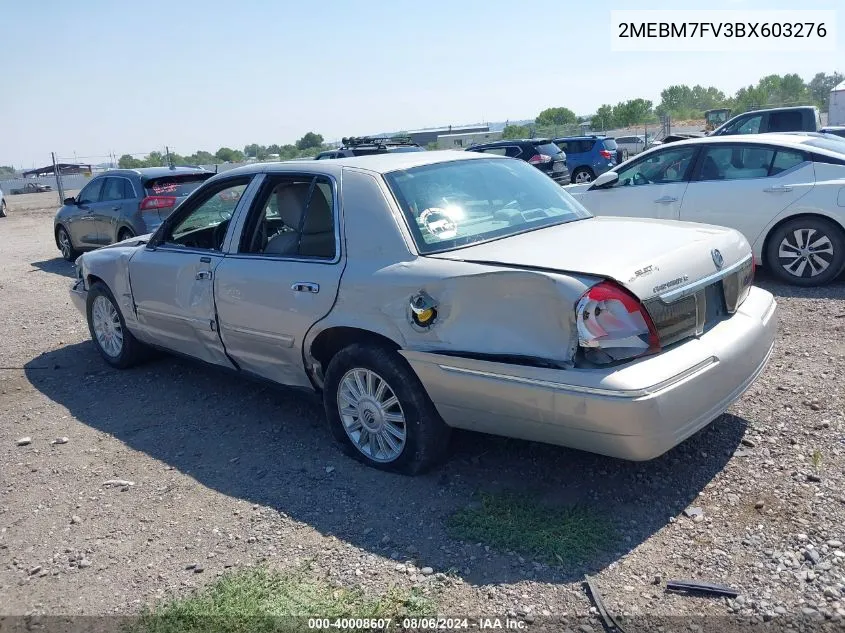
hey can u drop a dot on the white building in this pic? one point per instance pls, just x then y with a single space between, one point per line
466 139
836 106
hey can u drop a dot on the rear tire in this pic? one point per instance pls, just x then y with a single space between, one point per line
65 244
2 209
806 251
582 175
380 413
125 234
108 330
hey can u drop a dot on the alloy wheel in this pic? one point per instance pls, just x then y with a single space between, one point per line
806 252
583 176
371 414
64 244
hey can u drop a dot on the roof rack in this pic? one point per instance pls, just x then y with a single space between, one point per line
376 141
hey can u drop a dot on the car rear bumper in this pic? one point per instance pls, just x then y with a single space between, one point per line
637 411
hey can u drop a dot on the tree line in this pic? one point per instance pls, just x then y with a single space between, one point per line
689 102
306 147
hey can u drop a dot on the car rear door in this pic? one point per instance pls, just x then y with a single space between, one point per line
280 276
173 278
652 186
744 186
115 206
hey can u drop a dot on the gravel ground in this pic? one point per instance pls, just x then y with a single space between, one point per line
227 473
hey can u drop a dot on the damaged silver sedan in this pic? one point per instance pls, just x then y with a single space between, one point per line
427 291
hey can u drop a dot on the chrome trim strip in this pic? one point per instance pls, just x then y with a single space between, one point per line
173 317
283 339
596 391
680 293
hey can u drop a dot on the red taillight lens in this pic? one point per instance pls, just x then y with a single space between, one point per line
613 325
152 203
540 158
605 154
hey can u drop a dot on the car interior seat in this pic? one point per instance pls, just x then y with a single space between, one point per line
290 202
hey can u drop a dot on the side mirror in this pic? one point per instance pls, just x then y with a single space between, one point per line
607 179
69 201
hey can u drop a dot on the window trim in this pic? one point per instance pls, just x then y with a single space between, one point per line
243 222
157 240
101 179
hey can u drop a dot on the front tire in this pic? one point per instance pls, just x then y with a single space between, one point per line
379 412
66 245
806 252
108 330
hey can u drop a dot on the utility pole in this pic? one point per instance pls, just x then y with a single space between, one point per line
59 186
169 159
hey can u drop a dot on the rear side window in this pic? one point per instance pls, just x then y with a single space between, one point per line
549 149
610 144
789 121
786 159
178 185
113 189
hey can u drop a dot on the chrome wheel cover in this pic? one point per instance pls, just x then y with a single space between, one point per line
371 415
805 253
106 324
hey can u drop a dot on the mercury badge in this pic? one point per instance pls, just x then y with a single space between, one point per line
717 258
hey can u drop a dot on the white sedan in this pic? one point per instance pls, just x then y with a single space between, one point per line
784 192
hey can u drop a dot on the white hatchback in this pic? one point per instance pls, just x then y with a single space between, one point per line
784 192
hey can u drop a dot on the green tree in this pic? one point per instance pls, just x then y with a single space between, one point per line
772 90
309 141
821 85
603 118
516 131
228 155
274 149
556 116
7 170
127 161
632 112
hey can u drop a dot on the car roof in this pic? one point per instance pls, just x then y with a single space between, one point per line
584 137
792 140
376 163
156 172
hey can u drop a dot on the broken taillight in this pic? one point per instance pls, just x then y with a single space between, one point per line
613 325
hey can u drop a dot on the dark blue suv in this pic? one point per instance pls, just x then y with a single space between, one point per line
587 156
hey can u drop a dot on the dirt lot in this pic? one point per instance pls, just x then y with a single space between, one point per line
228 473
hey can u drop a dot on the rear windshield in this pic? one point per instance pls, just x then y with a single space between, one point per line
178 185
455 204
610 144
832 144
549 149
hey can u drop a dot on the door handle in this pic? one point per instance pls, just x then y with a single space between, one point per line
117 208
778 189
305 286
204 274
666 200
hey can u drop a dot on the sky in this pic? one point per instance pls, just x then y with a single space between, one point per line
85 79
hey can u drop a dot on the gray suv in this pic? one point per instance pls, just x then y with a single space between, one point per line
120 204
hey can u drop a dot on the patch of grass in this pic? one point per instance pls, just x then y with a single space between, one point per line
817 460
556 535
262 601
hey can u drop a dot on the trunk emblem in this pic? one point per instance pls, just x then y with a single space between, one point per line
717 258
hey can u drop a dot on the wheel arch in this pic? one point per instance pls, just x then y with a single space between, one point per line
322 347
764 245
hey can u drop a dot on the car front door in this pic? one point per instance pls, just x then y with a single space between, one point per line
744 186
117 201
81 223
650 187
172 278
281 275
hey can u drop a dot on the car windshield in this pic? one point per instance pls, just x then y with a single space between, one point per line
455 204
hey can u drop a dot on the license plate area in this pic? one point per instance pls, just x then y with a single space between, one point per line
715 308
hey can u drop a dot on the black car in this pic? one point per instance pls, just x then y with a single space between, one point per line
366 145
540 152
838 130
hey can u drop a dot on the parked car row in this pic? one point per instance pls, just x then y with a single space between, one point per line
783 192
424 291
